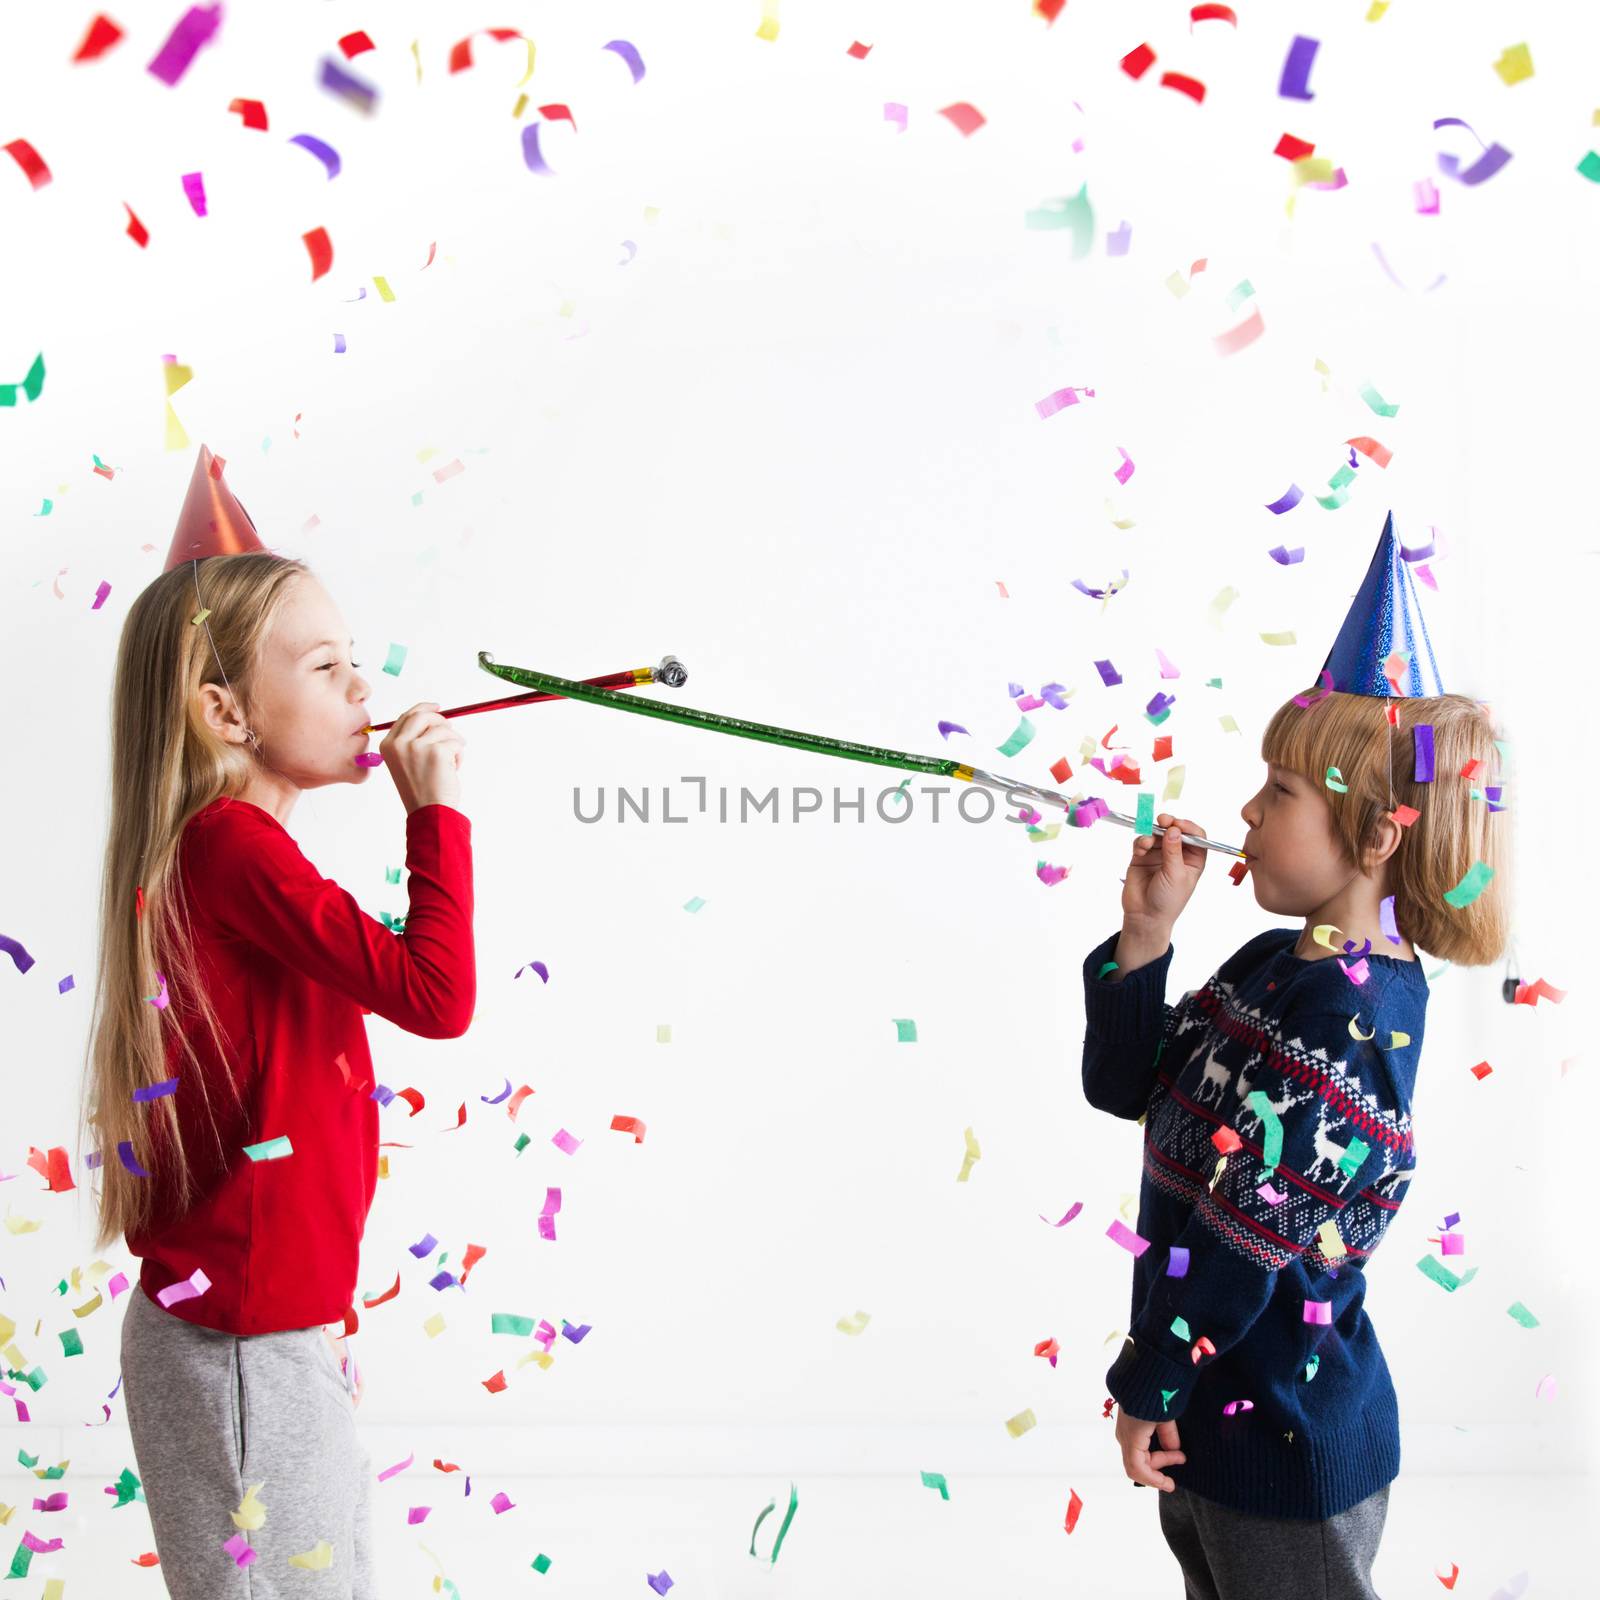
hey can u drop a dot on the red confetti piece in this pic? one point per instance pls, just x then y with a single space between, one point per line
558 113
633 1125
1061 770
353 44
1074 1506
388 1294
495 1384
1482 1071
413 1098
1529 994
1227 1141
30 161
1211 13
136 229
461 50
1049 10
475 1254
1137 62
321 249
1377 453
102 34
1293 149
1184 84
253 112
859 51
968 118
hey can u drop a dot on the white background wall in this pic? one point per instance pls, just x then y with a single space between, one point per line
794 441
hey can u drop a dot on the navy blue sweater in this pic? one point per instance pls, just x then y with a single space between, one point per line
1322 1429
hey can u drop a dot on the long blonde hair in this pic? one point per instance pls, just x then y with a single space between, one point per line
166 765
1455 827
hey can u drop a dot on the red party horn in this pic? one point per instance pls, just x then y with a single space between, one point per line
670 671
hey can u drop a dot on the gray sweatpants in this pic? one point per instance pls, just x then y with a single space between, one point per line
1229 1555
212 1413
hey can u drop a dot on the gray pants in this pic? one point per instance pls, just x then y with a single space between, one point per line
212 1413
1228 1555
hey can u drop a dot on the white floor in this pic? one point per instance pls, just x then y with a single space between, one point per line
851 1537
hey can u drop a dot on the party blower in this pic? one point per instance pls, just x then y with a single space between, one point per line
669 671
548 686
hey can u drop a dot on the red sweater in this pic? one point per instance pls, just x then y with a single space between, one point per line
292 964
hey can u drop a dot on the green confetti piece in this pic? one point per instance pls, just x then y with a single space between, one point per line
777 1544
1311 1367
391 874
1073 213
1145 816
270 1149
1021 738
1376 401
541 1563
1335 781
26 1459
1470 887
663 1033
1332 502
521 1144
1443 1276
33 384
1589 167
907 1029
1344 475
508 1322
23 1559
1522 1314
1271 1129
1166 1397
1239 293
935 1480
128 1489
71 1343
1350 1161
1181 1328
45 509
397 659
694 904
1108 966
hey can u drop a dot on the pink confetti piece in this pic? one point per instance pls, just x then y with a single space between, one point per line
1050 876
1121 1234
1076 1207
1546 1388
1236 339
416 1514
1319 1312
547 1217
968 118
191 1288
194 188
895 113
1238 1405
196 27
1059 401
564 1141
399 1466
239 1548
1272 1196
1125 471
502 1503
40 1547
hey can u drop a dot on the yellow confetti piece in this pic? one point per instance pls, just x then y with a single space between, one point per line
769 20
1174 786
1323 933
1356 1033
1124 1203
1116 521
663 1033
1328 1239
1178 284
973 1154
8 1331
1285 637
384 291
1377 9
1021 1423
21 1224
1515 64
252 1514
318 1559
854 1326
88 1306
434 1326
1227 723
1224 599
1398 1040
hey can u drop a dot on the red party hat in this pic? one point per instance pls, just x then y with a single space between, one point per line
212 522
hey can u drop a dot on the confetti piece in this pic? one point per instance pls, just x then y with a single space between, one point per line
973 1155
1020 739
1546 1387
1521 1314
196 27
564 1141
325 153
629 1125
252 1514
1292 84
346 86
1515 64
320 248
194 189
1493 158
354 44
905 1030
19 956
1470 887
1287 501
547 1217
29 159
191 1288
1121 1234
396 660
1059 401
270 1149
317 1559
622 48
1021 1423
854 1326
768 29
1184 84
1236 339
895 113
102 35
253 113
936 1480
531 156
947 728
1177 1261
859 51
155 1091
1137 62
1443 1276
967 118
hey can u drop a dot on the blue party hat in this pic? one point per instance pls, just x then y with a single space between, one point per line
1385 618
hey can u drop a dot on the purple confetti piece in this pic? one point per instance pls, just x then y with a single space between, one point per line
1287 501
1287 558
1013 689
947 728
659 1581
576 1335
154 1091
426 1244
629 54
349 88
1059 401
19 956
67 983
1422 768
504 1094
382 1093
325 153
442 1281
1488 163
1297 69
194 188
196 27
100 595
1178 1261
530 150
1076 1207
1391 929
1108 674
1117 243
338 350
1055 694
1158 703
532 966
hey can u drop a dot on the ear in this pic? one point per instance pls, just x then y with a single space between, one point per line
1387 834
220 713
